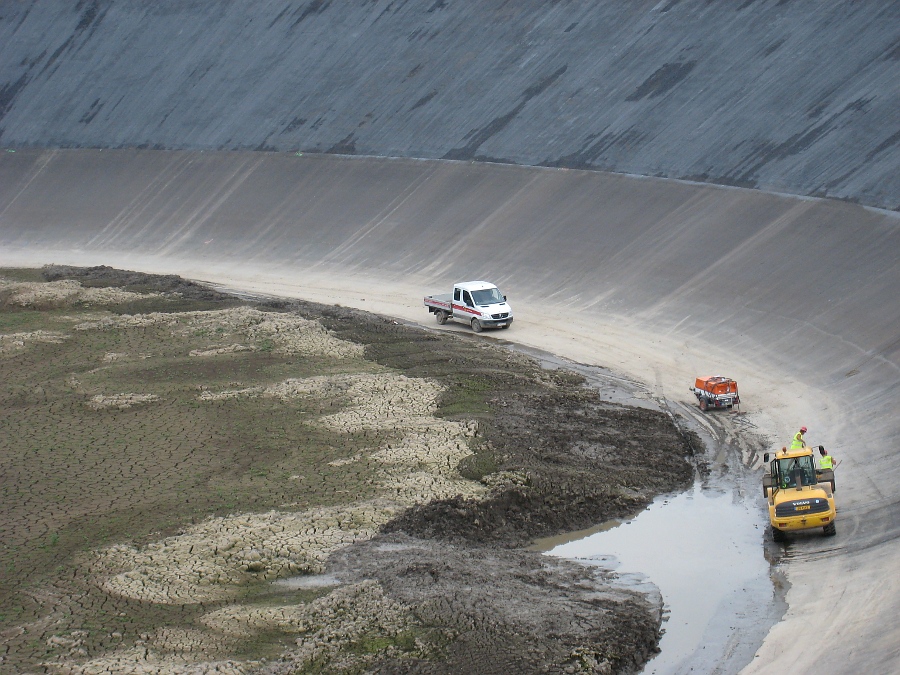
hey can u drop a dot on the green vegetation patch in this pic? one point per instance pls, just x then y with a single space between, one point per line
105 436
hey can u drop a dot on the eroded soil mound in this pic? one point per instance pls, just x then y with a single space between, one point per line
193 483
102 276
581 462
495 611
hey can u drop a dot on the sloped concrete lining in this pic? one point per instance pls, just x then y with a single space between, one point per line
797 298
794 96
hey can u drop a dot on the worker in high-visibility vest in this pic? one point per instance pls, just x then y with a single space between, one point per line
826 461
798 441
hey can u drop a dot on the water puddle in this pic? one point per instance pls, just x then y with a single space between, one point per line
312 581
703 550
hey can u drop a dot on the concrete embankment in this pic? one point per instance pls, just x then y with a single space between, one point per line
796 298
799 97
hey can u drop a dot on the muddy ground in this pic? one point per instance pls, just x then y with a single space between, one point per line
196 483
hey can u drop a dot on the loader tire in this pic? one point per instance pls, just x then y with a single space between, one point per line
441 317
476 326
778 535
830 530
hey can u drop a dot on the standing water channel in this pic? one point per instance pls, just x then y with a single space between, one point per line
704 550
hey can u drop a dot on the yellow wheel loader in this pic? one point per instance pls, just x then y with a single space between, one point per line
800 496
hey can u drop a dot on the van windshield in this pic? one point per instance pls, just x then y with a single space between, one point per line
488 296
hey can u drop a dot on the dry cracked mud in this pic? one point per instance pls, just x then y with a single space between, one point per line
192 483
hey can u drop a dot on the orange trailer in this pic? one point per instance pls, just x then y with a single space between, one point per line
716 391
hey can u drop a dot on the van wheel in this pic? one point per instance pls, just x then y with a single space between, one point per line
830 530
778 535
441 317
476 325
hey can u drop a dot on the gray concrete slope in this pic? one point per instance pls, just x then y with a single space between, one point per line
800 97
798 297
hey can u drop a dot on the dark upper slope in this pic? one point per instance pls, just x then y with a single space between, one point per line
799 96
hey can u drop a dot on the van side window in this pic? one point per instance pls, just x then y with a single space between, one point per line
456 293
468 299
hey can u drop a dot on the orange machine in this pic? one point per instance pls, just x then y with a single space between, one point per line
716 391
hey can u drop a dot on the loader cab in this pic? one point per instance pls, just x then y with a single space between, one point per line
792 471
